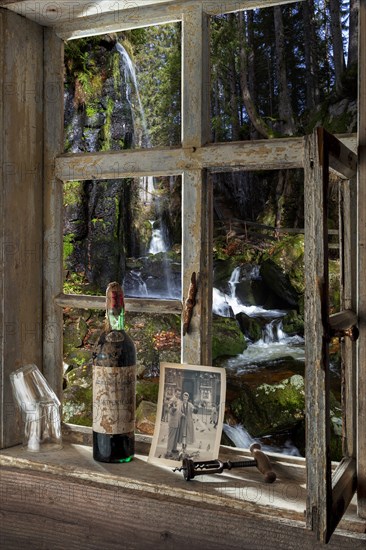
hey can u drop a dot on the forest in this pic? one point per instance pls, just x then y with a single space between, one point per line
274 73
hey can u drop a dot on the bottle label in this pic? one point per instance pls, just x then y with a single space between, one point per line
114 399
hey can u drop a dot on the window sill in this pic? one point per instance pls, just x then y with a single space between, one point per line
70 478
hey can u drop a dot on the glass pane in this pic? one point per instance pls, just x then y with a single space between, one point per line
281 71
123 91
156 337
258 308
123 230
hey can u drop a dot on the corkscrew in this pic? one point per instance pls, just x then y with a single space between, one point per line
192 469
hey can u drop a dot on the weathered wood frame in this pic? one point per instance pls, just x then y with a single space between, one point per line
361 267
328 497
193 161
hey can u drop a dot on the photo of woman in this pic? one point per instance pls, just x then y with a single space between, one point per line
190 408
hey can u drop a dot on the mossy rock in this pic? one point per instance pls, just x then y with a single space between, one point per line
74 334
145 417
288 256
271 408
227 338
293 323
250 326
79 357
279 283
222 271
78 397
147 390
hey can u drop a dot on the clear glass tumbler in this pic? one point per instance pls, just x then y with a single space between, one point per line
40 408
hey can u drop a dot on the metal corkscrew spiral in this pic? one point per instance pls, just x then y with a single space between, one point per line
192 469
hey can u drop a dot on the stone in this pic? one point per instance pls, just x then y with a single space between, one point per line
251 327
145 417
227 338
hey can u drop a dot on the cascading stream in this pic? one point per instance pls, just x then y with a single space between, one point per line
158 244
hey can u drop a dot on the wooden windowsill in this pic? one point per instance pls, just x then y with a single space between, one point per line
237 492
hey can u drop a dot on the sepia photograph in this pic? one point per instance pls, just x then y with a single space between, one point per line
190 413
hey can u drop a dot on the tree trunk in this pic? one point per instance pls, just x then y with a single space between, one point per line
262 128
287 124
251 65
336 33
312 77
353 32
233 77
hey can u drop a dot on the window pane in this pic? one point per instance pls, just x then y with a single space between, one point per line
123 230
258 308
123 91
274 73
156 337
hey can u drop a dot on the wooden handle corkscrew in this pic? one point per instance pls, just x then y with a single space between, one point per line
263 463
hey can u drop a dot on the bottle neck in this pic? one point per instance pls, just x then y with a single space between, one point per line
115 307
116 322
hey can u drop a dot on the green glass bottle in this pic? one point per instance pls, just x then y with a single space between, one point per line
114 382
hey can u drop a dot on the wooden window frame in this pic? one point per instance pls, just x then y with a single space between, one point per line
194 160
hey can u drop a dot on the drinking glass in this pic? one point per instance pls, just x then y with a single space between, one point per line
40 408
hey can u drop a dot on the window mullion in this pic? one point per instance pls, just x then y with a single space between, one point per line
316 340
52 210
197 191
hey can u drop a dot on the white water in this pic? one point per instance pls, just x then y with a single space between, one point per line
274 344
157 243
243 440
130 72
140 283
223 302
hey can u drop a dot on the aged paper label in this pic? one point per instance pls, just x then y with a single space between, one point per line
114 399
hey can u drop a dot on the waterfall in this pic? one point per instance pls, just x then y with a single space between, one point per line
243 440
228 305
157 243
130 74
233 281
272 332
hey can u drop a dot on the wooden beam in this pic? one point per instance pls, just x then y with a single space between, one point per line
341 159
344 484
348 302
82 301
21 118
316 334
197 192
52 209
361 374
65 498
343 320
271 154
195 77
140 15
245 155
3 414
196 239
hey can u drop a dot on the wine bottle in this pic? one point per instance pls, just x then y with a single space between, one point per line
114 381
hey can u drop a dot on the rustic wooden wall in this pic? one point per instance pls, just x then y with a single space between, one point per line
21 159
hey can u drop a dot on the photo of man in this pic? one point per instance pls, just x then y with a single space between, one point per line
191 407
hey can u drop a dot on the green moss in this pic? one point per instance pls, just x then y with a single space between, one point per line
68 247
106 139
227 338
71 192
116 72
147 390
